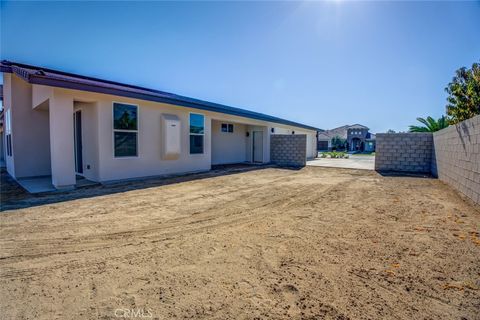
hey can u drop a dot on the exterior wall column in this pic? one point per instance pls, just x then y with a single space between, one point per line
61 141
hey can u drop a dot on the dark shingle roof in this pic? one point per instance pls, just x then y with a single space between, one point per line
49 77
357 126
340 131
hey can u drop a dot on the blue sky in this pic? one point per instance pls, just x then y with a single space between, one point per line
326 64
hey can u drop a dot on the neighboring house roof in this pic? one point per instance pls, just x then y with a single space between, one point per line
323 136
340 131
54 78
357 126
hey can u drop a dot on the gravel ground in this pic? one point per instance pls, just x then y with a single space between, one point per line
315 243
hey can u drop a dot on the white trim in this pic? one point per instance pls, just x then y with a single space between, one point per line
123 130
196 134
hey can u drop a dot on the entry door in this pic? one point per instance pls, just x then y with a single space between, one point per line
257 146
77 129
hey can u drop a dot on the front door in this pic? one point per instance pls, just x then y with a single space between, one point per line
258 146
77 136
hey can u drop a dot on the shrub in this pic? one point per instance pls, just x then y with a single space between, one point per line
334 155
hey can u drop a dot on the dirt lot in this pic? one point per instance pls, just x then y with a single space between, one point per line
316 243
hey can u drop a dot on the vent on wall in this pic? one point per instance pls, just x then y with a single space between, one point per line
171 137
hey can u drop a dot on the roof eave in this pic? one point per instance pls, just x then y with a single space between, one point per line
41 80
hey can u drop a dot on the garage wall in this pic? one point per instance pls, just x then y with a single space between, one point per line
228 147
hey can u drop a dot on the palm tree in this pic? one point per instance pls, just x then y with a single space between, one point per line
431 125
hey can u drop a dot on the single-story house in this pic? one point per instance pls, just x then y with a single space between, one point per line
355 138
66 125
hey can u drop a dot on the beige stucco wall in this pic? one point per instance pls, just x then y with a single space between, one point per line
40 94
149 161
30 132
228 147
61 139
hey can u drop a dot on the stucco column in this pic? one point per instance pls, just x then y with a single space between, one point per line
61 141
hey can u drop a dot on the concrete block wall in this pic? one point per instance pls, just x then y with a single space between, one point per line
456 157
288 149
404 152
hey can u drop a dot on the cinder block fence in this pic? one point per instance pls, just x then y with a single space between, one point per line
456 157
451 154
410 152
288 149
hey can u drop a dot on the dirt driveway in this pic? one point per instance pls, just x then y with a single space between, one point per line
316 243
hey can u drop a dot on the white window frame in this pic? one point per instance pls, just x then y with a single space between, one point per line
196 134
122 130
227 124
8 121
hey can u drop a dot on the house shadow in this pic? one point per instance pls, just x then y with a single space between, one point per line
422 175
13 196
463 134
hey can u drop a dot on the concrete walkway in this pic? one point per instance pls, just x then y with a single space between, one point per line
44 184
37 184
354 162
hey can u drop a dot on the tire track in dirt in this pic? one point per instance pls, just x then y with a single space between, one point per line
284 200
278 250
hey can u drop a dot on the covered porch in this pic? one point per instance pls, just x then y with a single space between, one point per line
235 142
67 136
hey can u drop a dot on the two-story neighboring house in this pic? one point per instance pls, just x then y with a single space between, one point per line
360 139
355 138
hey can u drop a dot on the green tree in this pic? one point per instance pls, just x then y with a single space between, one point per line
430 125
463 101
338 143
